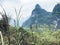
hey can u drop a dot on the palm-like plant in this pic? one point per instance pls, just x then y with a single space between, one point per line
4 26
16 22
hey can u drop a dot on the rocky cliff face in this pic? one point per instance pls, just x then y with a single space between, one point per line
56 14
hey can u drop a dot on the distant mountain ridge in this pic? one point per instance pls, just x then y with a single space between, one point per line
41 16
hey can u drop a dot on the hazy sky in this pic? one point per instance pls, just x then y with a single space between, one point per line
28 6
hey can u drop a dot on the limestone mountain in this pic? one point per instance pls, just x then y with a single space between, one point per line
38 15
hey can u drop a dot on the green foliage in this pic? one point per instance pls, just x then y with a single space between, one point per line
24 36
